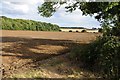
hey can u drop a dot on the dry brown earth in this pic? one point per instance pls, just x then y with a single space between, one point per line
41 54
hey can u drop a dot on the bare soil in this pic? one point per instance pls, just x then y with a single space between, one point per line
37 54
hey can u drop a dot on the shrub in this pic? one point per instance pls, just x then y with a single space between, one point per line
83 31
102 55
70 30
77 31
115 31
109 57
100 30
60 30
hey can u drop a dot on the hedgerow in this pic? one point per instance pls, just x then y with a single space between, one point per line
102 55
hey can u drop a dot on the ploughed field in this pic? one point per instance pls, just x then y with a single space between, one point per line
39 54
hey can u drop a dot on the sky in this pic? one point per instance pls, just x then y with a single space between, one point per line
27 9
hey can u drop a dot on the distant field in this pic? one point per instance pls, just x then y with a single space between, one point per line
22 49
50 35
79 30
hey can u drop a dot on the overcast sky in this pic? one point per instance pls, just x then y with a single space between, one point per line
27 9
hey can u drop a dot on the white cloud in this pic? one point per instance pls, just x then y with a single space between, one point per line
24 1
27 9
73 19
19 6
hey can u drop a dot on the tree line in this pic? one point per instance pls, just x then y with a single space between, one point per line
21 24
73 27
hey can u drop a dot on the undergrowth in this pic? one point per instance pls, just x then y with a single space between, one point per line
101 55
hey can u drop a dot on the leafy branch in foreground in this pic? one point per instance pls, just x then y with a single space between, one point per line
103 11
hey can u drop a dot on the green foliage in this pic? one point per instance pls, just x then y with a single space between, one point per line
47 9
109 57
102 55
110 30
104 10
115 31
20 24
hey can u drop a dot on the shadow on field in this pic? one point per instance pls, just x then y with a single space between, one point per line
35 49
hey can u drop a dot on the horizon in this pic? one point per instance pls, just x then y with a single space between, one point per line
28 10
74 27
